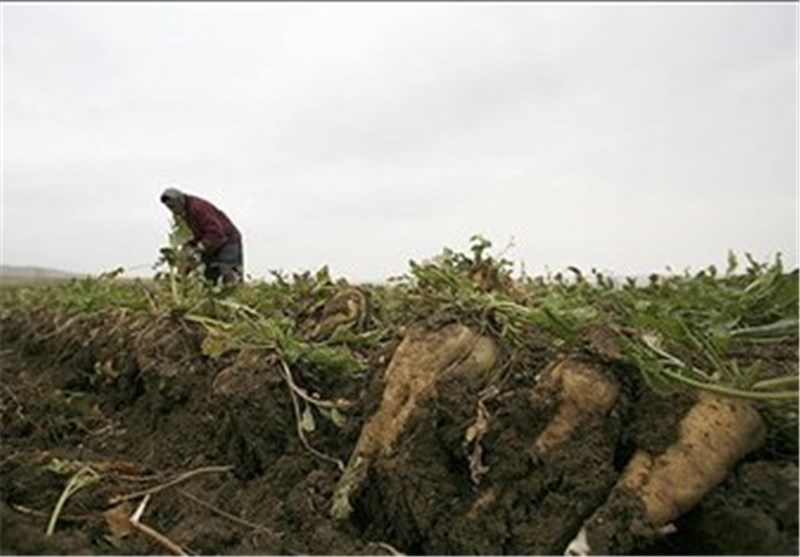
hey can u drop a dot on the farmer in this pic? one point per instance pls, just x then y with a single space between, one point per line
216 240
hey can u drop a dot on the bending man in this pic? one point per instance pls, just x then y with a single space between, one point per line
216 239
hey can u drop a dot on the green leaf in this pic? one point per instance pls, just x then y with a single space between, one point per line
216 343
336 359
732 263
780 328
338 418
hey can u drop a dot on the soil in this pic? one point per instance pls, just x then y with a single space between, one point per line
138 402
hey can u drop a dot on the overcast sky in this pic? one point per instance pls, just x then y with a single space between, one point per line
628 138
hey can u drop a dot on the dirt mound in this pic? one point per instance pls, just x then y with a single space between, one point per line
428 451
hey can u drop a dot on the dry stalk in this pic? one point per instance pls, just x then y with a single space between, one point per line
130 478
174 548
41 514
154 535
298 419
224 514
305 396
181 478
389 548
61 328
18 409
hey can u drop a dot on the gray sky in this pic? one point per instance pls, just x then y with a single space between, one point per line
628 138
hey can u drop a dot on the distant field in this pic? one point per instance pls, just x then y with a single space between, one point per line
15 281
20 281
11 274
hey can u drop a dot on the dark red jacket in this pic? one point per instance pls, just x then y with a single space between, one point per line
209 225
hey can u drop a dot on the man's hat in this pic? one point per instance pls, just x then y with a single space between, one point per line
171 194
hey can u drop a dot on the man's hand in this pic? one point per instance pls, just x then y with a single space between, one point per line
189 259
193 251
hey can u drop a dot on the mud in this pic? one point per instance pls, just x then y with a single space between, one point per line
138 401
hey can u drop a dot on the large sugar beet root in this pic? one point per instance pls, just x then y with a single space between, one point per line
714 435
423 357
585 395
656 489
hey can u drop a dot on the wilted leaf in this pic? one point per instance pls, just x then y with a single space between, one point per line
118 520
64 467
307 422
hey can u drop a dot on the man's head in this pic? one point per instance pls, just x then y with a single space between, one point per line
175 200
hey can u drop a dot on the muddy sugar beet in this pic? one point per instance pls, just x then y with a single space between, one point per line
585 394
419 361
654 490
